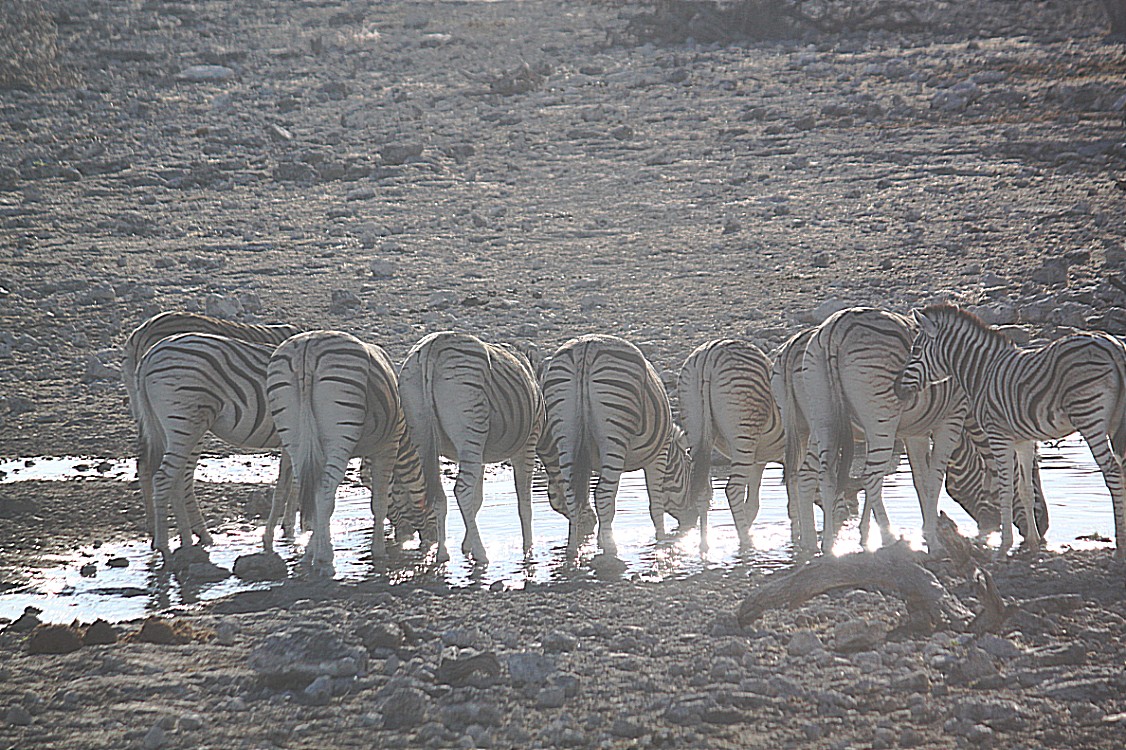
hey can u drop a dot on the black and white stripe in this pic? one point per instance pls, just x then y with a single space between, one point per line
162 326
608 412
725 403
474 403
969 482
849 370
187 386
1019 396
334 397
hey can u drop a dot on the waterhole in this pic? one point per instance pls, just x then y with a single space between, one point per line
1078 502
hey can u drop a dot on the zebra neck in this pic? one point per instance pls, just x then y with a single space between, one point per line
976 356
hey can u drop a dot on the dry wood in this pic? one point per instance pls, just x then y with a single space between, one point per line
892 569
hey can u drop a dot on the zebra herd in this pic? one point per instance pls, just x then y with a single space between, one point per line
964 401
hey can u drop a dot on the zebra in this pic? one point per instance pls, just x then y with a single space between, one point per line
969 483
333 397
607 411
799 463
726 403
849 370
475 403
188 385
1019 396
162 326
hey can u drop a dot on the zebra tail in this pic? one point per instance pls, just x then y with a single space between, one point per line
429 439
700 473
1118 435
309 461
150 438
841 444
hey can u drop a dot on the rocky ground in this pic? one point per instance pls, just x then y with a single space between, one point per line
528 172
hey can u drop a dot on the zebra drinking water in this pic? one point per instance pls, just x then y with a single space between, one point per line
1019 396
162 326
608 412
474 403
333 397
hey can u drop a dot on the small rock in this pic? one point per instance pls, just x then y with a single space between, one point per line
27 621
205 73
89 570
552 696
400 153
261 566
1052 273
100 633
405 708
191 723
319 691
527 668
819 314
858 635
381 635
382 269
344 301
207 572
556 641
54 639
154 738
185 556
803 643
18 716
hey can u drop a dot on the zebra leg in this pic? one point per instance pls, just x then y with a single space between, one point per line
285 498
742 492
1025 455
1115 478
656 501
380 470
801 490
469 489
1003 456
523 464
880 458
191 504
605 493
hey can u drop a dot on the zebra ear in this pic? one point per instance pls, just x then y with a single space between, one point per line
925 324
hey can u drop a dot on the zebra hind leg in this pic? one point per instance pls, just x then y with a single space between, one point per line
1115 478
469 491
605 494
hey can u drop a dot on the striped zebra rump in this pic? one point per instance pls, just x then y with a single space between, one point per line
333 397
1019 396
167 324
188 385
726 403
475 403
608 412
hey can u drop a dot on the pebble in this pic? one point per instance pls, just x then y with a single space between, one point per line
206 73
529 668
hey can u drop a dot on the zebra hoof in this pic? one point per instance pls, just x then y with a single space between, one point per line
204 538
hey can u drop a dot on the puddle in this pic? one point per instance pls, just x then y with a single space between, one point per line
1078 503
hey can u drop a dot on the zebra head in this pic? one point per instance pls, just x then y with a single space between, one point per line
924 367
675 498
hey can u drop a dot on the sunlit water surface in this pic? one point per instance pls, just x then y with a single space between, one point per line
1079 506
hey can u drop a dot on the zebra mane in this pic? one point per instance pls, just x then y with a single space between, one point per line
947 311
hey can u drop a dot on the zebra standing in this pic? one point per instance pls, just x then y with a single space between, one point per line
607 411
162 326
474 403
333 397
849 370
188 385
1019 396
726 403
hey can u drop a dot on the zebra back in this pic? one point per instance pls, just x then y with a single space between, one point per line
167 324
196 378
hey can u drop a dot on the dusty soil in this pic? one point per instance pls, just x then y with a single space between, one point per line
528 172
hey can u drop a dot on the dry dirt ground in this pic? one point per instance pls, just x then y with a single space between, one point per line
528 172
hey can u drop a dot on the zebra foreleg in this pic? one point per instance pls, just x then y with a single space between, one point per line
191 504
1025 456
1003 457
469 489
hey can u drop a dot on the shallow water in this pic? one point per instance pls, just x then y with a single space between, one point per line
1078 504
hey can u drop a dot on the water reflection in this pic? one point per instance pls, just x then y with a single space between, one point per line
1078 503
